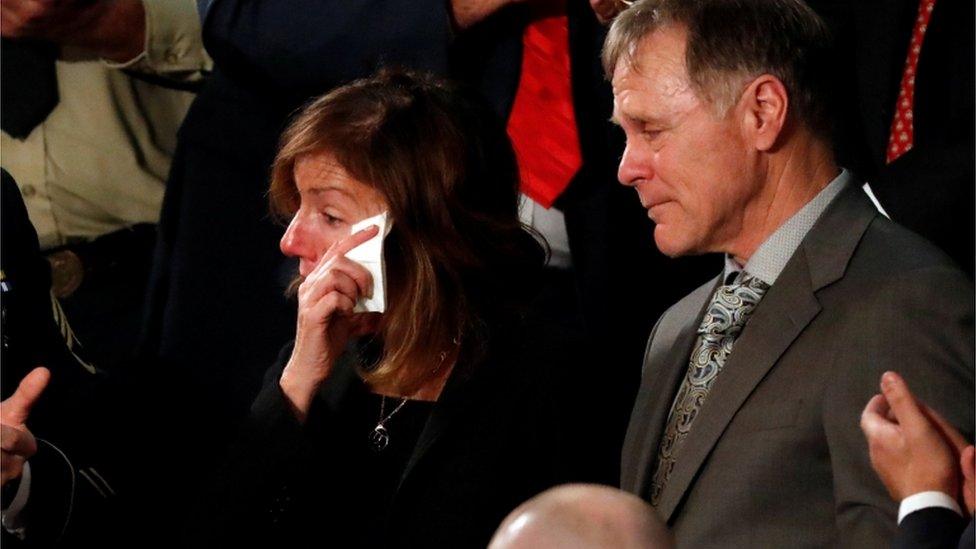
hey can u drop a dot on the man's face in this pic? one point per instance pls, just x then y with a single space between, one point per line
692 169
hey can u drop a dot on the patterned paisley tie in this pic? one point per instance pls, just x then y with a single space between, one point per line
724 320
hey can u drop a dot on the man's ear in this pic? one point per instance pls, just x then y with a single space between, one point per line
764 106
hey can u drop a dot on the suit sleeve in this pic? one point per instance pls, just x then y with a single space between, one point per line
929 528
920 324
304 45
67 502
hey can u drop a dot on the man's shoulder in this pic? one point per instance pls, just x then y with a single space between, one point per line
893 245
890 254
853 243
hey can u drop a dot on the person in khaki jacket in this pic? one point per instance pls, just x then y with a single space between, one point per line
94 93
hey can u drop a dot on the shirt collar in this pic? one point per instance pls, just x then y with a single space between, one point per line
773 254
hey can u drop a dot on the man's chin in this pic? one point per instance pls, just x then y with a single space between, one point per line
668 245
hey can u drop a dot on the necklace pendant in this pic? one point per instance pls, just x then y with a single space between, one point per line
379 438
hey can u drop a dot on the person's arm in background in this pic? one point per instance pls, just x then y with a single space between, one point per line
46 499
112 30
154 36
924 462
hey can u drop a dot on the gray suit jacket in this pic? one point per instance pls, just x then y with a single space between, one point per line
776 457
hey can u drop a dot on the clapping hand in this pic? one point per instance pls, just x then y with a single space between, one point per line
914 449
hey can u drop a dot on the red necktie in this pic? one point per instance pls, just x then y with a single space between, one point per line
542 124
902 127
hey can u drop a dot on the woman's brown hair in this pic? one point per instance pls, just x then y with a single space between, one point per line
457 253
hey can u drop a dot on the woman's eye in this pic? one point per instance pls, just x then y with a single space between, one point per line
330 219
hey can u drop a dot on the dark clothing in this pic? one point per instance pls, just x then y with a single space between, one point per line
68 503
610 234
493 439
32 335
929 189
933 528
106 310
620 283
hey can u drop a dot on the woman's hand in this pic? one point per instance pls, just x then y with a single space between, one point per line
326 320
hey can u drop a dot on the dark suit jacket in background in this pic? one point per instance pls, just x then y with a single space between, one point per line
776 457
929 189
934 528
64 505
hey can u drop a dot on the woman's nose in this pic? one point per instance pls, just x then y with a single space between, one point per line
293 241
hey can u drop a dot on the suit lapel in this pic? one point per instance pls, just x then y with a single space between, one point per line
666 362
785 311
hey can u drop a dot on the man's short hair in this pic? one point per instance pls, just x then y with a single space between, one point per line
731 42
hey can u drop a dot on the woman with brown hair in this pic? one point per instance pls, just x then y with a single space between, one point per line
428 423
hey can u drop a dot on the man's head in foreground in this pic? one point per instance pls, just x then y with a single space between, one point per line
583 516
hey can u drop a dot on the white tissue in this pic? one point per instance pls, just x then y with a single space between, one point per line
369 254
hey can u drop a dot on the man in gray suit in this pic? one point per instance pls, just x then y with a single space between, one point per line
745 430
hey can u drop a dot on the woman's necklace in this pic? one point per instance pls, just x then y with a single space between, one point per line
379 439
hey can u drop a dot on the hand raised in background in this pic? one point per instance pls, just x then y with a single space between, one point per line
17 444
111 29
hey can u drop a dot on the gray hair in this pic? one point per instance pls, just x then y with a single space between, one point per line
731 42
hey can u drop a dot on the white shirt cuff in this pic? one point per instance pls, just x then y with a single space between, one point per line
11 515
923 500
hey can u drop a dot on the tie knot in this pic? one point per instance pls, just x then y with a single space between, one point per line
751 282
731 306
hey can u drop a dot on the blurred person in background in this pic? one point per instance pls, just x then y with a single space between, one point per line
47 496
93 95
907 110
605 282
